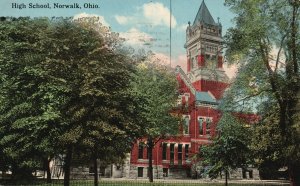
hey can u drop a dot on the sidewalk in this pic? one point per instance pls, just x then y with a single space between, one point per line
271 182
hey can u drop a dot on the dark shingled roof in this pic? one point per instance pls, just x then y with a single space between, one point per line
204 15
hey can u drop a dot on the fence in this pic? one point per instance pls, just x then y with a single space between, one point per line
144 182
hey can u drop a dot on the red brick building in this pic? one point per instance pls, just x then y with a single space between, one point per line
201 89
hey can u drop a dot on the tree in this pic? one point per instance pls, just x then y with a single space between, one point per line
28 108
269 154
230 149
101 112
266 37
66 87
157 84
111 110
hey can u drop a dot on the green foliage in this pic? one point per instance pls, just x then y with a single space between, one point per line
67 85
28 114
230 149
265 44
158 86
269 152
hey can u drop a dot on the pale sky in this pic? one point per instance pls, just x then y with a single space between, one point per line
143 23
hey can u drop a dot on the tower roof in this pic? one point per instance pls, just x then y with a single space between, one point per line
204 15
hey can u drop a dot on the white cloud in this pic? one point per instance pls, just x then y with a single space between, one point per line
97 18
182 28
154 14
180 60
157 14
161 58
164 59
123 20
136 37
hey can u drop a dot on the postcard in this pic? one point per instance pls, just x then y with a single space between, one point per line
142 89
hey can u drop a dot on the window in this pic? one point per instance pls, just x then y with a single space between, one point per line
141 150
194 62
200 121
251 174
186 99
213 57
179 100
165 172
208 125
179 154
172 146
140 171
244 174
164 151
186 149
91 169
147 154
186 123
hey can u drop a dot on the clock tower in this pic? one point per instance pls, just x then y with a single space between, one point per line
204 53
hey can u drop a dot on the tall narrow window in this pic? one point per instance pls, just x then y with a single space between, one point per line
194 62
200 121
208 125
179 100
141 150
147 153
186 123
165 172
164 151
186 99
179 154
186 150
140 171
172 147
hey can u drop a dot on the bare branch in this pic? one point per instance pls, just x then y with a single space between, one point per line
251 96
279 51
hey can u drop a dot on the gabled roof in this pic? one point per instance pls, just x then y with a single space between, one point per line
204 15
205 97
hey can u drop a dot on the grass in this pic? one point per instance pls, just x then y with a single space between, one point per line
143 183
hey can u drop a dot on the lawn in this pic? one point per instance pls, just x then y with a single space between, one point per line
146 183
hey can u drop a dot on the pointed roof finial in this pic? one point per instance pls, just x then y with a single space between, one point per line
204 15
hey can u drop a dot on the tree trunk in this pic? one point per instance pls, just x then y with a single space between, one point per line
67 166
95 171
294 174
226 177
48 160
149 151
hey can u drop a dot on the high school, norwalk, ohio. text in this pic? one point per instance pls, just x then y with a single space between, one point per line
53 5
